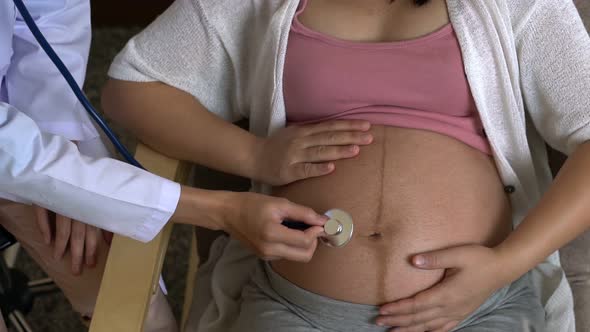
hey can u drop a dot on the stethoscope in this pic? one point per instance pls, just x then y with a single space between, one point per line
338 229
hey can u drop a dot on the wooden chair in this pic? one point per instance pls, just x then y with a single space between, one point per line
133 268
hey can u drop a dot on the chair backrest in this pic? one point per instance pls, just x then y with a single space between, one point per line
133 268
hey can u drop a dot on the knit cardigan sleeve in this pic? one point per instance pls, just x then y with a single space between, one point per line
554 58
182 49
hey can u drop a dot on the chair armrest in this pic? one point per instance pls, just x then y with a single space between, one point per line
133 268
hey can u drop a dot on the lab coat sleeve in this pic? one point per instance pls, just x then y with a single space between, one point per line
34 85
49 171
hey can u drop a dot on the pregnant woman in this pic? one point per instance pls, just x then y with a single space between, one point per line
429 76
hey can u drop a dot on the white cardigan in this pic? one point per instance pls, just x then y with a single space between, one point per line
527 62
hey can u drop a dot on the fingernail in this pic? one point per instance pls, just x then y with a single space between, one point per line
420 260
353 148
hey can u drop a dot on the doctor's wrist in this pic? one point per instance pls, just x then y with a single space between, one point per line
204 208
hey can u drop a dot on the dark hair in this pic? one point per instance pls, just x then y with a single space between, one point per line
416 2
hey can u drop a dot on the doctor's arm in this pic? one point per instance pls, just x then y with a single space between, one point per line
49 171
35 87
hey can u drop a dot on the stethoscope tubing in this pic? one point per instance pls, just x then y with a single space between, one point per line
30 22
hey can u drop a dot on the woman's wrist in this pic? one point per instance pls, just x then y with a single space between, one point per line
558 218
256 155
512 261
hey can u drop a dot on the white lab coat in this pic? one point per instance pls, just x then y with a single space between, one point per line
39 167
32 83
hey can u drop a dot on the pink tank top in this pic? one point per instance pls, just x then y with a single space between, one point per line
418 83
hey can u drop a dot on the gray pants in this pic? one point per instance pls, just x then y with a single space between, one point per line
271 303
575 259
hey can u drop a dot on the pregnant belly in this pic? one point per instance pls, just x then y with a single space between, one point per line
410 191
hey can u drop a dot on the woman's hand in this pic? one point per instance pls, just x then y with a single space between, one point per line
472 274
82 239
300 152
256 221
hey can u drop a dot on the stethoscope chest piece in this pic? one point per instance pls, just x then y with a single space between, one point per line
338 228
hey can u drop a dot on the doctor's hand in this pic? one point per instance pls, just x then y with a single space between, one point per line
299 152
472 274
82 239
256 222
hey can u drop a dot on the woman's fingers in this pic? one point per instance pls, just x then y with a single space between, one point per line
337 138
302 171
313 155
336 125
447 327
409 320
299 152
43 224
62 235
91 245
324 153
432 325
422 301
77 246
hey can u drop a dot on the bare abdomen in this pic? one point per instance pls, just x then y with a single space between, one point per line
410 191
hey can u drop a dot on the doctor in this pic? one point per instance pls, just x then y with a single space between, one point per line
51 157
